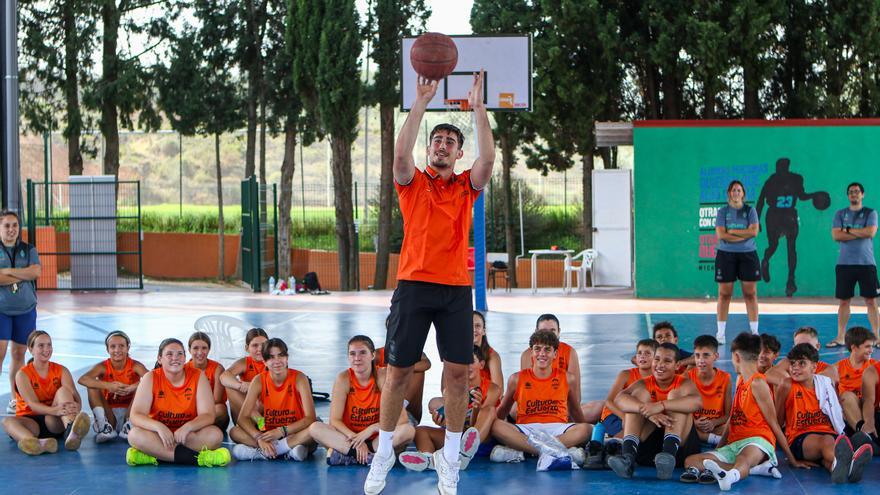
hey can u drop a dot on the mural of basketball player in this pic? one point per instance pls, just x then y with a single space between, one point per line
781 192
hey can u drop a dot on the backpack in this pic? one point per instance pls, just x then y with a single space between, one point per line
310 281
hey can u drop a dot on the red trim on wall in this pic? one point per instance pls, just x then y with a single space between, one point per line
757 123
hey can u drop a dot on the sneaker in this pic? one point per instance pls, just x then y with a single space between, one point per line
578 456
447 474
214 458
665 464
416 461
501 453
470 443
719 336
134 457
595 459
379 468
691 475
843 459
858 439
123 433
35 446
622 465
335 458
720 475
242 452
860 460
104 433
766 468
10 408
707 478
299 453
76 431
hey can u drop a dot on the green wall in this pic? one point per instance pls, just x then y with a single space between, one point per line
682 172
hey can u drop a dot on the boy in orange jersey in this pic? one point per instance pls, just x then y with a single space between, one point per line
752 432
860 342
544 401
611 420
714 387
658 425
770 348
566 356
807 404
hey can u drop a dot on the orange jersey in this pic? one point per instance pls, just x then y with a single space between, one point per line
542 400
485 371
380 358
282 404
746 419
252 368
851 378
126 375
175 406
634 376
713 394
44 388
437 217
361 404
210 372
821 366
660 394
803 414
469 418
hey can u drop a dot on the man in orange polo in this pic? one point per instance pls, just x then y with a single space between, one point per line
434 284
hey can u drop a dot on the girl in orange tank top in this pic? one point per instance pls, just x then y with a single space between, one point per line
173 415
351 435
199 348
238 377
492 368
277 411
111 385
46 403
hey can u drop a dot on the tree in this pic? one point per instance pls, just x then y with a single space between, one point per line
326 76
393 19
199 94
56 47
754 25
511 129
125 88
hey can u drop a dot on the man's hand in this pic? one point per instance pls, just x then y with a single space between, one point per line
475 95
425 89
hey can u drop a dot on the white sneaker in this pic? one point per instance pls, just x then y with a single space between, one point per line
123 433
447 474
10 408
242 452
719 336
501 453
298 453
578 456
104 433
416 461
470 443
721 476
379 468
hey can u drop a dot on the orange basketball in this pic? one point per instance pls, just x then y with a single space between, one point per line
434 56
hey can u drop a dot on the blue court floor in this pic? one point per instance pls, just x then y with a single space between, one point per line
316 332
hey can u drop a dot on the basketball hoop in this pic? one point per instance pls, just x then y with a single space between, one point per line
458 113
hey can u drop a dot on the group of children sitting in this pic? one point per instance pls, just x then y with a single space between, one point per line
658 413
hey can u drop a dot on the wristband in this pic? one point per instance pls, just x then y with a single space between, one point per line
284 431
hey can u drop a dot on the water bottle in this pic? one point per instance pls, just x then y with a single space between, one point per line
271 284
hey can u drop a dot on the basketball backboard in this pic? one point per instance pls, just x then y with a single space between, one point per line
506 60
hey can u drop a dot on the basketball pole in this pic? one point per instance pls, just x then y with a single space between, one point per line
10 173
480 302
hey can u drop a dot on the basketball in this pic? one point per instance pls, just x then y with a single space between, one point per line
434 56
821 200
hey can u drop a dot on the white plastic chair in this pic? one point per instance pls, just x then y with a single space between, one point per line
227 336
587 259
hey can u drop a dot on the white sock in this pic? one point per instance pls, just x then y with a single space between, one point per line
753 326
722 326
452 446
714 439
100 417
281 446
732 476
385 448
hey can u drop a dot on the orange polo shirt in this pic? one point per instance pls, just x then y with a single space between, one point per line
437 217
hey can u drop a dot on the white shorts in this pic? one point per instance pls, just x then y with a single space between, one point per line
552 429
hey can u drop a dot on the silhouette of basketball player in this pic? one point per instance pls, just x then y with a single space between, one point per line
781 191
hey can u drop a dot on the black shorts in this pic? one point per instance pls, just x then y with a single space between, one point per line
653 445
797 446
730 267
848 275
44 430
414 307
